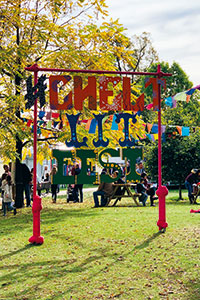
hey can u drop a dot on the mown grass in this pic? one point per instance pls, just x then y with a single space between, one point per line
105 253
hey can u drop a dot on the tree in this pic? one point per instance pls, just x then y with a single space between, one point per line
179 156
144 53
61 33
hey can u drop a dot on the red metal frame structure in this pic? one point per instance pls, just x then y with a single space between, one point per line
162 190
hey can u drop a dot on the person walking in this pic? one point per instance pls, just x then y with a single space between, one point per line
53 186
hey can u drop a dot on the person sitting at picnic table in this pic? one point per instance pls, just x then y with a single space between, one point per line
150 189
104 190
141 188
140 167
120 190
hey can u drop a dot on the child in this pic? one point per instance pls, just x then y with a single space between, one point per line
3 183
7 197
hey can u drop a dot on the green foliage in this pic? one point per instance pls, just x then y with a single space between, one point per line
179 156
53 33
178 82
58 33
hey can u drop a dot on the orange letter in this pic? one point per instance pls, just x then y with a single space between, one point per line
53 89
127 97
105 93
89 91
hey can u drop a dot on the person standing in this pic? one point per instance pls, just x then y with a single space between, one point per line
150 189
26 179
46 177
6 170
53 185
7 196
78 188
189 181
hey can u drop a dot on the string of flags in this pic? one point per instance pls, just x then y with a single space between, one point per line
183 96
51 121
152 131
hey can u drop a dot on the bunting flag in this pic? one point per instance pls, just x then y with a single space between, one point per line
93 126
154 128
149 126
87 127
163 128
185 131
49 124
55 115
48 115
163 137
149 106
41 114
29 123
179 128
114 124
182 96
169 101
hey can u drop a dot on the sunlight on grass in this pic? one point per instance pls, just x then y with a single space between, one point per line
106 253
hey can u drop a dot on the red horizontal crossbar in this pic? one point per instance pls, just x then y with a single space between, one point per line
35 68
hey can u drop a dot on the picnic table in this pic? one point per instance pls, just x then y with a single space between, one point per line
128 192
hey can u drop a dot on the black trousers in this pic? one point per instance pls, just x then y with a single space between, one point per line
151 192
78 189
54 191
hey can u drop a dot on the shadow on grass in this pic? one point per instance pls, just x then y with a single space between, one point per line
147 241
27 247
51 269
48 215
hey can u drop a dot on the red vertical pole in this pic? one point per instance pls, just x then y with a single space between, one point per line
162 191
37 207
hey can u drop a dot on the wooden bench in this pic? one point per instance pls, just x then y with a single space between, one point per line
127 188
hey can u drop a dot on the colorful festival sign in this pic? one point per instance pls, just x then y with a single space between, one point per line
75 99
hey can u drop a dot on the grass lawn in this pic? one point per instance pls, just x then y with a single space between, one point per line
104 253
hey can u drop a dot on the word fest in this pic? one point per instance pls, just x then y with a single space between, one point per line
63 159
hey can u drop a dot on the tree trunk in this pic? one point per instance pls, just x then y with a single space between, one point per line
19 198
180 192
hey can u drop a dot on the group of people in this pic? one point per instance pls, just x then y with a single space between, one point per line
8 188
47 177
144 188
7 191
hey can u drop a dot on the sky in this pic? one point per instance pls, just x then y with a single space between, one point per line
174 26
